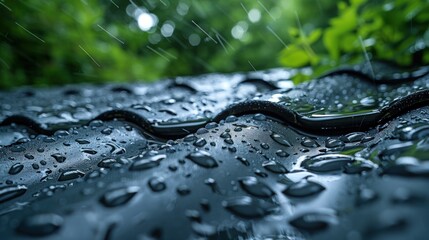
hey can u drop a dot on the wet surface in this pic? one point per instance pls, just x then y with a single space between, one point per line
256 175
178 106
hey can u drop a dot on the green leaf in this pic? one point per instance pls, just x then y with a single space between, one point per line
294 57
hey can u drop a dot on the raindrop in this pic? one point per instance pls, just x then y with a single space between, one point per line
310 143
70 175
107 163
10 192
107 131
82 141
247 207
231 118
414 132
365 196
315 220
183 190
326 162
157 184
190 138
147 162
200 142
274 167
59 157
225 135
202 158
259 117
334 143
211 125
243 160
193 215
282 153
16 148
281 139
119 196
358 166
203 229
41 224
89 151
303 188
265 146
353 137
253 186
16 168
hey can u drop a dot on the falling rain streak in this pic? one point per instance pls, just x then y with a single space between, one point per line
208 35
34 35
277 36
4 5
110 34
96 63
159 54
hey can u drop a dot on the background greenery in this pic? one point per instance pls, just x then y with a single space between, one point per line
56 42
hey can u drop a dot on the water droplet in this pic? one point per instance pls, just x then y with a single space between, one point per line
225 135
281 139
107 163
368 102
274 167
247 207
315 220
353 137
10 192
119 196
190 138
82 141
202 158
310 143
168 111
282 153
231 119
259 117
16 168
147 162
183 190
253 186
107 131
17 148
243 160
414 132
303 188
200 142
326 162
334 143
358 166
157 184
203 229
193 215
41 224
59 157
89 151
232 149
211 125
407 166
70 175
265 146
365 196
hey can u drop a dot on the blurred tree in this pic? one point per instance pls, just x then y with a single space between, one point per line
56 42
392 30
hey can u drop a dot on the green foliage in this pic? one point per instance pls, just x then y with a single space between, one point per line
57 42
392 30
